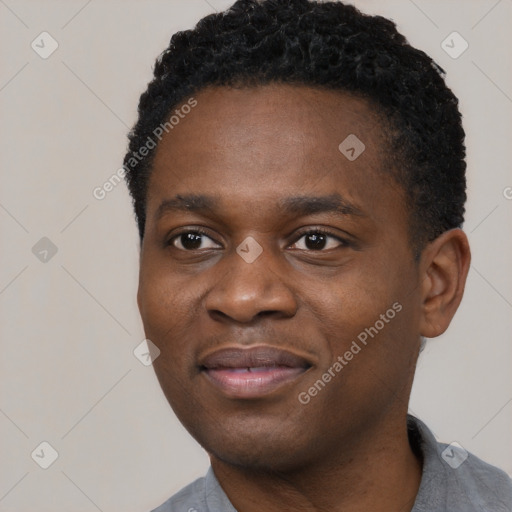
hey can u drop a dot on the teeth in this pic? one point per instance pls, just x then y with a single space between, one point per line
251 369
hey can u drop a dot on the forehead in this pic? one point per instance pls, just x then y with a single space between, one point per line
276 113
258 145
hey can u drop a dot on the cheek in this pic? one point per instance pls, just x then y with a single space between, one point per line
351 301
368 316
371 349
162 291
166 307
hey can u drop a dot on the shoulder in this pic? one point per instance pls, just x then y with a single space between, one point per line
203 495
189 499
486 487
455 480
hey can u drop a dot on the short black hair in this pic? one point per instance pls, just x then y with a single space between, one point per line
324 45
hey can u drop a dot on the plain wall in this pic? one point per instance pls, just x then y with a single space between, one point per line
69 325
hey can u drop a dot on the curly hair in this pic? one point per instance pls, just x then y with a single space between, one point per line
323 45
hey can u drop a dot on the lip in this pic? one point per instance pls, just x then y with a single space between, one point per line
252 372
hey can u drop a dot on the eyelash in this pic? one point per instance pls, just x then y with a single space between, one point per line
195 231
322 231
200 231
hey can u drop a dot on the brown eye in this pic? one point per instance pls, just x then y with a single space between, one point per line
318 241
192 241
315 241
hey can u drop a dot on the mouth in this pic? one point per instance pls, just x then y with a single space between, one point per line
252 372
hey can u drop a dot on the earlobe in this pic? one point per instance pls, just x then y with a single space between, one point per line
445 265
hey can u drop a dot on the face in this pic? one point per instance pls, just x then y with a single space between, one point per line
268 257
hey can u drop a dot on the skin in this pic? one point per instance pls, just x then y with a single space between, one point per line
250 149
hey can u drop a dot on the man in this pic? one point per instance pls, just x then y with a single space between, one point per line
298 177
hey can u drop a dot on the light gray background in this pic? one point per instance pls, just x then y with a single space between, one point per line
69 325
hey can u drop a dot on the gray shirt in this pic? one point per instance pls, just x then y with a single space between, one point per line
453 480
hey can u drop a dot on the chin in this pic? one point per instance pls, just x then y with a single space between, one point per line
253 447
259 458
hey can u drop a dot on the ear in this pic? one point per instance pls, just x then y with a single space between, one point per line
139 300
139 285
139 292
445 265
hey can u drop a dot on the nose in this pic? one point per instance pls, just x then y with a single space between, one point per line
247 291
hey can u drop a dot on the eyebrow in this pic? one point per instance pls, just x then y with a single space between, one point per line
298 205
307 205
188 202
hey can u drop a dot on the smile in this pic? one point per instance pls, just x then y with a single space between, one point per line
252 372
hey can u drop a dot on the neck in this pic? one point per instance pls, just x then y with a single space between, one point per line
378 472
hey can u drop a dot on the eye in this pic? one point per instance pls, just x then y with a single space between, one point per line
318 240
192 240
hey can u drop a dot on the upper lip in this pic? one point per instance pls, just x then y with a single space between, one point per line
253 357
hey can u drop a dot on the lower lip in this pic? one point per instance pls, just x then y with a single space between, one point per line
242 383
